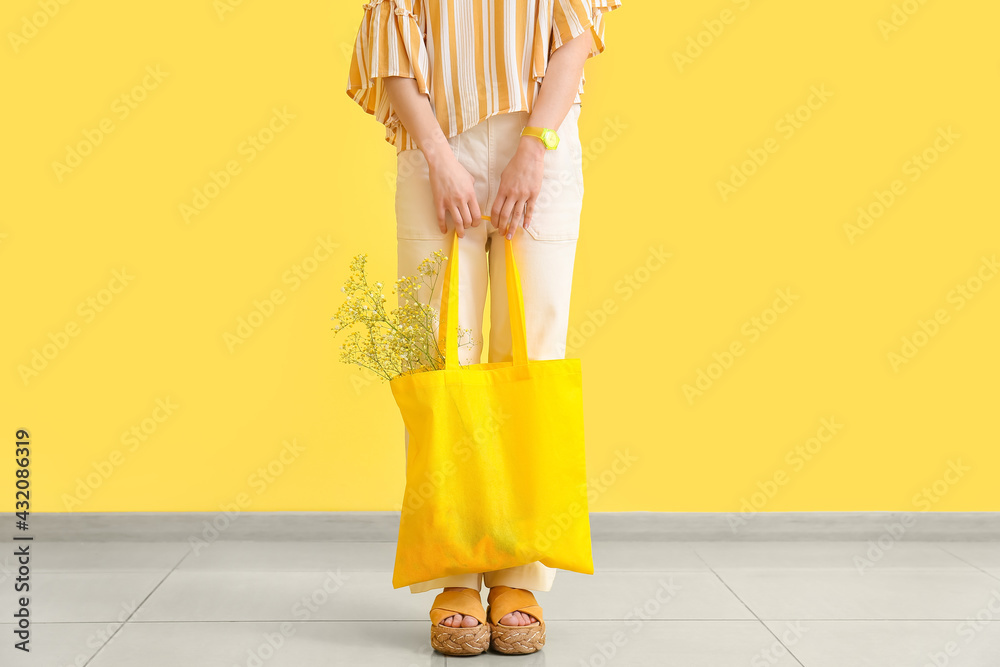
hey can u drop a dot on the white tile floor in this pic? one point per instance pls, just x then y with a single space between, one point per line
712 604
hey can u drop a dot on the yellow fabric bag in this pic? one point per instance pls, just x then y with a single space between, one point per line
496 469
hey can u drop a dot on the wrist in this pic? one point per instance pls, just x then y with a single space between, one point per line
436 149
533 146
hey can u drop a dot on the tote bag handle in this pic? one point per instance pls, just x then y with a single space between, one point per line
447 329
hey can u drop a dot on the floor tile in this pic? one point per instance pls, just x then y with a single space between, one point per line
625 595
101 556
85 596
292 556
56 643
849 604
895 643
406 644
272 644
650 643
843 594
985 555
886 554
273 596
245 595
611 556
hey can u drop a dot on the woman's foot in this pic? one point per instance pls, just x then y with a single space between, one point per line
519 628
459 620
518 618
465 621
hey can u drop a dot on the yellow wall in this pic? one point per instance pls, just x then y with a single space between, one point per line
662 135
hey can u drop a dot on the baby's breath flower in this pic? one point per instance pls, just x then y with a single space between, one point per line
391 343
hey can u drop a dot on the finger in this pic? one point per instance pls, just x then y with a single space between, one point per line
495 211
442 223
457 218
529 211
473 203
477 215
515 219
505 214
467 219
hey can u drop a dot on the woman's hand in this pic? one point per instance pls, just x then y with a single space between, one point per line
453 188
520 184
451 184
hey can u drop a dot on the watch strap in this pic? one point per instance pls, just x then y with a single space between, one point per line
540 133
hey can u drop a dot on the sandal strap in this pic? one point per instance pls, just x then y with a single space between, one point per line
504 600
465 601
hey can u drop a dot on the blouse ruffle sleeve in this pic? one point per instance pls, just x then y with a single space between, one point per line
389 42
570 18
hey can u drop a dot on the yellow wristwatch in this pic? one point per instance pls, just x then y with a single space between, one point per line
548 137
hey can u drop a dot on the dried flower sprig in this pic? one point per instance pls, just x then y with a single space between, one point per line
392 342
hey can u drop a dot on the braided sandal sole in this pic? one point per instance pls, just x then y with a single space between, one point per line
460 641
516 639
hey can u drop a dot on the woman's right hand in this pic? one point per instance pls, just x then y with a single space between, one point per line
452 186
454 192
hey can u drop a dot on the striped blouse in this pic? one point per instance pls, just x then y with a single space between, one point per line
473 58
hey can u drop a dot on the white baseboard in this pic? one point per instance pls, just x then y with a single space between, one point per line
638 526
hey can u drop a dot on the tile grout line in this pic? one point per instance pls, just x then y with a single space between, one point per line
971 564
759 620
138 607
555 620
412 620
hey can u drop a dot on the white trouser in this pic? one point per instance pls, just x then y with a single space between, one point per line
544 254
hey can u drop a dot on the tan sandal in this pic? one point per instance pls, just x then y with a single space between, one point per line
503 600
459 641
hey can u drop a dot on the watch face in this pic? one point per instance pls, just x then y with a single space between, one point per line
550 138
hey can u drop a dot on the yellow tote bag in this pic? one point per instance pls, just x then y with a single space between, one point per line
496 470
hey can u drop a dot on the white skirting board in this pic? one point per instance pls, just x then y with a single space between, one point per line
636 526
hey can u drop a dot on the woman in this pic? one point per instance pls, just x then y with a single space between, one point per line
481 100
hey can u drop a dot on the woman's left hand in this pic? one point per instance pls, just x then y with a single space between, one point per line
520 184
